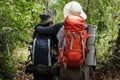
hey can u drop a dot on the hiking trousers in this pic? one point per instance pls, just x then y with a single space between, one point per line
81 73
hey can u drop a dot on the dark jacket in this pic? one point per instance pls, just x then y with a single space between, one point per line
48 30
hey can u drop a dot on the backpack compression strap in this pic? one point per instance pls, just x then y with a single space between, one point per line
82 41
33 50
49 56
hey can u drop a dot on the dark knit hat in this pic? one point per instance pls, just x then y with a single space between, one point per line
47 16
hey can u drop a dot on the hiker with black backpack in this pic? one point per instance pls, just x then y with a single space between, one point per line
45 49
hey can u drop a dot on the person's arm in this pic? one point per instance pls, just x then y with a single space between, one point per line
49 30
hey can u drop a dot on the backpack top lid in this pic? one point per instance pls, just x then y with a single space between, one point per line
74 22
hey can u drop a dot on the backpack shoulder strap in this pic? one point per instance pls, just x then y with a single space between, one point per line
64 41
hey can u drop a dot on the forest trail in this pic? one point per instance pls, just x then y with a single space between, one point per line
20 75
98 75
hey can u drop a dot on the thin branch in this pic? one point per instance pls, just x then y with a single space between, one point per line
87 9
8 49
115 57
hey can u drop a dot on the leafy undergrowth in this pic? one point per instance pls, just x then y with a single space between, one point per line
107 75
20 74
22 56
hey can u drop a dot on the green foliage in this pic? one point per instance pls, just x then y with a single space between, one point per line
7 67
17 19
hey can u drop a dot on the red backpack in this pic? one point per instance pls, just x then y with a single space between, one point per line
73 51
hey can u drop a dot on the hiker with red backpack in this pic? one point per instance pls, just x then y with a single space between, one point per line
74 49
76 55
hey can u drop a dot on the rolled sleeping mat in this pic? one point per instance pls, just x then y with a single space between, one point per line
92 31
91 56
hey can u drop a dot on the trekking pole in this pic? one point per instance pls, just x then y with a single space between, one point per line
30 48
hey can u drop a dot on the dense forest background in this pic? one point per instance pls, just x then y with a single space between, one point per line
18 18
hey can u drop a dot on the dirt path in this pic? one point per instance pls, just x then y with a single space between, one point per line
20 74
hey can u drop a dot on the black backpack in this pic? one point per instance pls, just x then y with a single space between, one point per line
44 52
43 55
